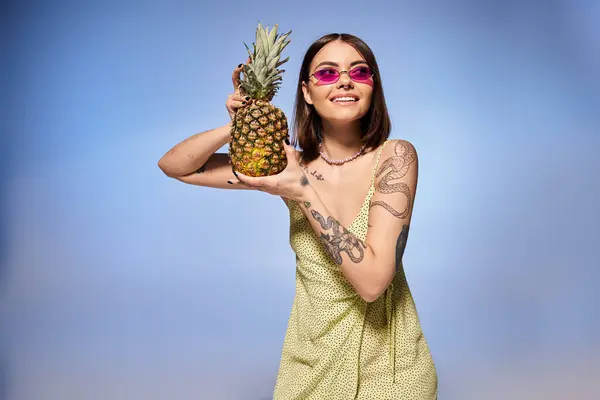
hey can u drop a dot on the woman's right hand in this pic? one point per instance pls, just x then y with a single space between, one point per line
237 99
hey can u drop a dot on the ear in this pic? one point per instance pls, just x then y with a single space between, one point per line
306 92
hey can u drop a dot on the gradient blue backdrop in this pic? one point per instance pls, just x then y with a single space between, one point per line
120 283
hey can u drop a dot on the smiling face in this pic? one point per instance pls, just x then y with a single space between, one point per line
346 100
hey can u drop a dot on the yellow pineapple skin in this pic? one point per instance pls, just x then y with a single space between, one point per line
255 145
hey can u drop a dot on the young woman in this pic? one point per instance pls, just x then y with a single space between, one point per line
353 331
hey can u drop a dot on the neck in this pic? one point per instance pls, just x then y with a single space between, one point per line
341 140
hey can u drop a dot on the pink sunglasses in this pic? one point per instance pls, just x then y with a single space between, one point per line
330 75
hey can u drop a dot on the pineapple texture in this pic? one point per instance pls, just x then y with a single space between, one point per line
255 146
258 129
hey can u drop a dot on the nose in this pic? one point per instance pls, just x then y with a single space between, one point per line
344 80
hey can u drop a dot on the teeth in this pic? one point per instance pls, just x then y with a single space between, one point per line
344 99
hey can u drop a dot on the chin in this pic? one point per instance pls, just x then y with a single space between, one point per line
341 114
345 115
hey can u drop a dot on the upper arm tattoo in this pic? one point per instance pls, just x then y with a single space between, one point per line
339 240
397 167
401 245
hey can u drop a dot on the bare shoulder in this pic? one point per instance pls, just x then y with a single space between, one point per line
398 160
400 148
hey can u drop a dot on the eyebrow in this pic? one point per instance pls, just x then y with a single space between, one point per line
334 64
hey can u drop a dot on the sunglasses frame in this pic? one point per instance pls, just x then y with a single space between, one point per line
343 72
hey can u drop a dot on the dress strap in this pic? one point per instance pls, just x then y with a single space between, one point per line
377 162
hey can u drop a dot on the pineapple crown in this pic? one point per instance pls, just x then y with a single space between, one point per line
262 79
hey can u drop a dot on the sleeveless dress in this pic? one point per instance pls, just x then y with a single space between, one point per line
338 346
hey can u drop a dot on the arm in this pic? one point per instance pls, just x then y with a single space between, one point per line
195 162
191 154
370 265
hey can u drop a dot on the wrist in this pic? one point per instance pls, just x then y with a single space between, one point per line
226 132
307 194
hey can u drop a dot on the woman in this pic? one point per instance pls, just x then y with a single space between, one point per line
353 332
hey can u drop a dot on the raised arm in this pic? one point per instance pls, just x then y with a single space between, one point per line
370 265
191 154
195 161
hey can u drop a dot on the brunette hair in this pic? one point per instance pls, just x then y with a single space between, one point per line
375 125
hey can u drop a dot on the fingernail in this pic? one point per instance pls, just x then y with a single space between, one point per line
243 102
231 183
232 170
287 141
240 66
247 97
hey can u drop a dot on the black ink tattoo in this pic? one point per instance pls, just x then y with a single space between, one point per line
303 180
398 164
340 240
401 245
316 175
201 169
307 204
387 207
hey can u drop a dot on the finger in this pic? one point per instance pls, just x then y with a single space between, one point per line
236 179
290 151
235 77
232 105
251 181
240 98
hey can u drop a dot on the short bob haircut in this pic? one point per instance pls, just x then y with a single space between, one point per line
375 125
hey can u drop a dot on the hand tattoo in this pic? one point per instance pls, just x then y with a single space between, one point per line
303 180
340 240
398 164
307 204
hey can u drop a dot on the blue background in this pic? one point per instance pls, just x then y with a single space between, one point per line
120 283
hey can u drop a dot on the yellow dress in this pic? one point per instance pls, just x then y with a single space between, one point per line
338 346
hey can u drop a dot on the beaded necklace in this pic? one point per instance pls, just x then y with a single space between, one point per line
342 161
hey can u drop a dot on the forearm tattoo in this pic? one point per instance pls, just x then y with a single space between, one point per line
401 245
339 240
396 166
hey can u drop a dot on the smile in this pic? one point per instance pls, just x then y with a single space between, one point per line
346 99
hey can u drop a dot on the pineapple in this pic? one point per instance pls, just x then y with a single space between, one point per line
255 147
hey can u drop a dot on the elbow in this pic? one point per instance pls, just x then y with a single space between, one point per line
371 296
374 291
166 168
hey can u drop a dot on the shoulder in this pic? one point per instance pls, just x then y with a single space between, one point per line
398 160
400 151
400 148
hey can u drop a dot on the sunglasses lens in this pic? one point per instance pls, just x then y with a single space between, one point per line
327 75
361 73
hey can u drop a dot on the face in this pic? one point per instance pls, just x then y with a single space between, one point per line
347 99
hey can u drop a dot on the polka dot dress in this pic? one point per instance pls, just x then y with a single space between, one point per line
339 347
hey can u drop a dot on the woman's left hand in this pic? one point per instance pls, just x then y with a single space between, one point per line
291 183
